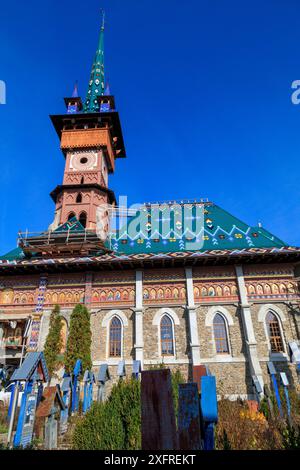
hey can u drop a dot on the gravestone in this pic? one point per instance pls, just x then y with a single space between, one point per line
158 416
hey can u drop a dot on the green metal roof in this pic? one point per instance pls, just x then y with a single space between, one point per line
219 231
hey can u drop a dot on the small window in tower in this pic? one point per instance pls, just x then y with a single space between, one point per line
82 219
71 215
79 198
82 180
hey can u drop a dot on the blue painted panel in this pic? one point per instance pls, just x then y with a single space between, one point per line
77 368
209 405
121 369
103 374
136 367
189 417
275 387
21 418
12 395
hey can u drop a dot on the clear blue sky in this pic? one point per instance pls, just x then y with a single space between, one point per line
203 89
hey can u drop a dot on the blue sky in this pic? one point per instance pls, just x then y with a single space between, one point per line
204 94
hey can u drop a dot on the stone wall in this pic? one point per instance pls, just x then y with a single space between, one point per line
213 289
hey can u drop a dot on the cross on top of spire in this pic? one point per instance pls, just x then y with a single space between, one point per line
97 80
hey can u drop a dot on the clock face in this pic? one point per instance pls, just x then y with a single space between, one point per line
83 161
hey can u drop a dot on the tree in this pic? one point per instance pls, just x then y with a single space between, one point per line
53 342
79 339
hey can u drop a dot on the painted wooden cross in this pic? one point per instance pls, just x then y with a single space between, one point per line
76 386
103 377
272 372
33 372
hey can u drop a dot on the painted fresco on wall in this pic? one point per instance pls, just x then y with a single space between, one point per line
113 294
271 289
167 293
204 292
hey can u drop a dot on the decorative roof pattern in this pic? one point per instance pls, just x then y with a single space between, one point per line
217 229
129 258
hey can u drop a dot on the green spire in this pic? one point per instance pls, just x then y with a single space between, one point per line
96 85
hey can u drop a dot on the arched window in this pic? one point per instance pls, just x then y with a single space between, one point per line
274 332
220 335
166 336
79 198
82 180
71 215
115 337
82 219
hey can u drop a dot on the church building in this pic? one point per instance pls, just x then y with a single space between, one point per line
183 283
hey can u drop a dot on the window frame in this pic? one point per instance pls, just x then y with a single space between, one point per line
266 324
160 336
219 354
112 356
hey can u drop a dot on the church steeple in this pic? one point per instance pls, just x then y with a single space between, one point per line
97 80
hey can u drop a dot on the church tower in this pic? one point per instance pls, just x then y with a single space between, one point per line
91 139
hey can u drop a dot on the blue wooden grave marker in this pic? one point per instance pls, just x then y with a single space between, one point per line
33 372
272 372
103 377
86 382
209 409
76 386
136 369
285 383
121 372
89 380
91 389
66 389
189 436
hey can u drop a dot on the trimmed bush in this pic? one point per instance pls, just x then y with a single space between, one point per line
53 342
79 339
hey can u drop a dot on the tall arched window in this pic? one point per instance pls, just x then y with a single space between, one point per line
166 336
115 337
274 332
71 215
82 219
220 335
79 198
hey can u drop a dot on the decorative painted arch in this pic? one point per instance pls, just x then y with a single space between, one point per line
165 311
264 309
212 311
114 313
226 290
251 289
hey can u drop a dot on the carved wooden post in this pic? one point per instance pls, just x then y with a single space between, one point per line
158 416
